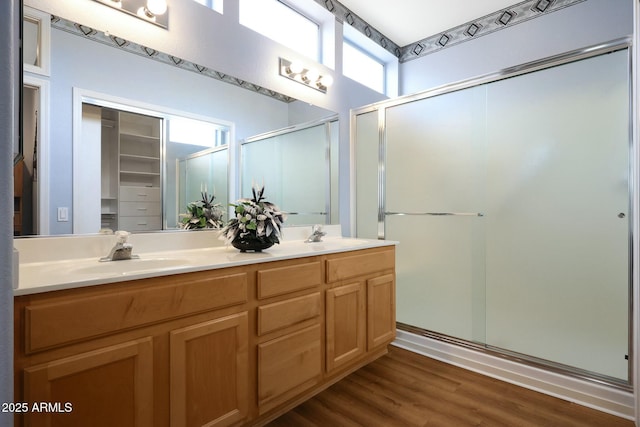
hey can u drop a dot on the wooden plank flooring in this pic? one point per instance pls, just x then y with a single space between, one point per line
407 389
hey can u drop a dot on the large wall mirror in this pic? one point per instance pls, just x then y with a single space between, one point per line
107 87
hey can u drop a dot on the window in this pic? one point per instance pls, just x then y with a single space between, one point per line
212 4
362 67
196 132
282 24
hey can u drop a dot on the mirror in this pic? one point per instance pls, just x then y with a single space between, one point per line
124 71
139 150
300 164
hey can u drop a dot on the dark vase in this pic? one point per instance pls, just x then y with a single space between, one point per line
251 245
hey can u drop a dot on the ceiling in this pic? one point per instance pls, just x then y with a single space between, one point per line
408 21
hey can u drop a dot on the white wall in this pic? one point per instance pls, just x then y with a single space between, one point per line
584 24
9 84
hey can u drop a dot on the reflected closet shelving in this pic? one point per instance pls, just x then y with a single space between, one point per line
131 173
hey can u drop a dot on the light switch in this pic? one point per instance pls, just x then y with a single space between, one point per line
63 214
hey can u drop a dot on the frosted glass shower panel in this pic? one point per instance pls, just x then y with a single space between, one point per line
440 274
435 160
204 170
557 214
295 168
435 151
366 171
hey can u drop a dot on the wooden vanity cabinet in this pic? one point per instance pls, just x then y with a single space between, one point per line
290 331
360 305
167 351
227 347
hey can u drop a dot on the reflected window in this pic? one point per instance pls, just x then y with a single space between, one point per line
212 4
197 132
282 23
363 67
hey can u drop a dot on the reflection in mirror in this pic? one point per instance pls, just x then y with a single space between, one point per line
152 166
36 32
298 167
31 45
156 84
201 173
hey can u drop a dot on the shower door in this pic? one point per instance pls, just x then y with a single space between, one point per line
557 242
435 155
511 203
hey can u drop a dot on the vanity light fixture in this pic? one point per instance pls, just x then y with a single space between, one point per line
153 11
307 76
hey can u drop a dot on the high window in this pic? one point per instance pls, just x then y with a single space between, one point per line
212 4
363 67
283 24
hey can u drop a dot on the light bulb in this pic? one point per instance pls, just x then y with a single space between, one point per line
296 67
157 7
326 81
145 13
312 75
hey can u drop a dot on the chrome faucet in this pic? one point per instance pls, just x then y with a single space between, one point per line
316 234
121 250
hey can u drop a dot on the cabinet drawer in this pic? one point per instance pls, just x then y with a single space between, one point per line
283 280
347 267
139 194
288 366
281 314
139 223
89 315
140 208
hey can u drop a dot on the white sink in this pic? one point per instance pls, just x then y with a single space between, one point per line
131 266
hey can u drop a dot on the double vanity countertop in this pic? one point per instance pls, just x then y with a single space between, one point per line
39 273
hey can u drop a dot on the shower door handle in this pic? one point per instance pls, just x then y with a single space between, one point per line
436 213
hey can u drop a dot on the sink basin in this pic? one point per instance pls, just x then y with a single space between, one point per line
131 266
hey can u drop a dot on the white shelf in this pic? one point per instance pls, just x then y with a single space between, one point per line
139 157
139 173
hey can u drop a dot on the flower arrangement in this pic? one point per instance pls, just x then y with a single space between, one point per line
203 213
257 224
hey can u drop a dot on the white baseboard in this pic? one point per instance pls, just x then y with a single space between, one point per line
597 396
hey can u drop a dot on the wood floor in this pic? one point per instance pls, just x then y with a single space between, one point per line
407 389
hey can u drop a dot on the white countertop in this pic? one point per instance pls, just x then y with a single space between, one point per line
45 276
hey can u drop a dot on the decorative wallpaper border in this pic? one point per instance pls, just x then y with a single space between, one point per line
131 47
508 17
488 24
343 14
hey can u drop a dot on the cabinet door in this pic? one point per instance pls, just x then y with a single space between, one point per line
111 386
345 324
209 372
288 365
381 310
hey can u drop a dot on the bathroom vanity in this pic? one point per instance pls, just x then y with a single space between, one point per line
232 339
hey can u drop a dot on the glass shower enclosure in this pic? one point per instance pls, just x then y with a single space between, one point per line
510 197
